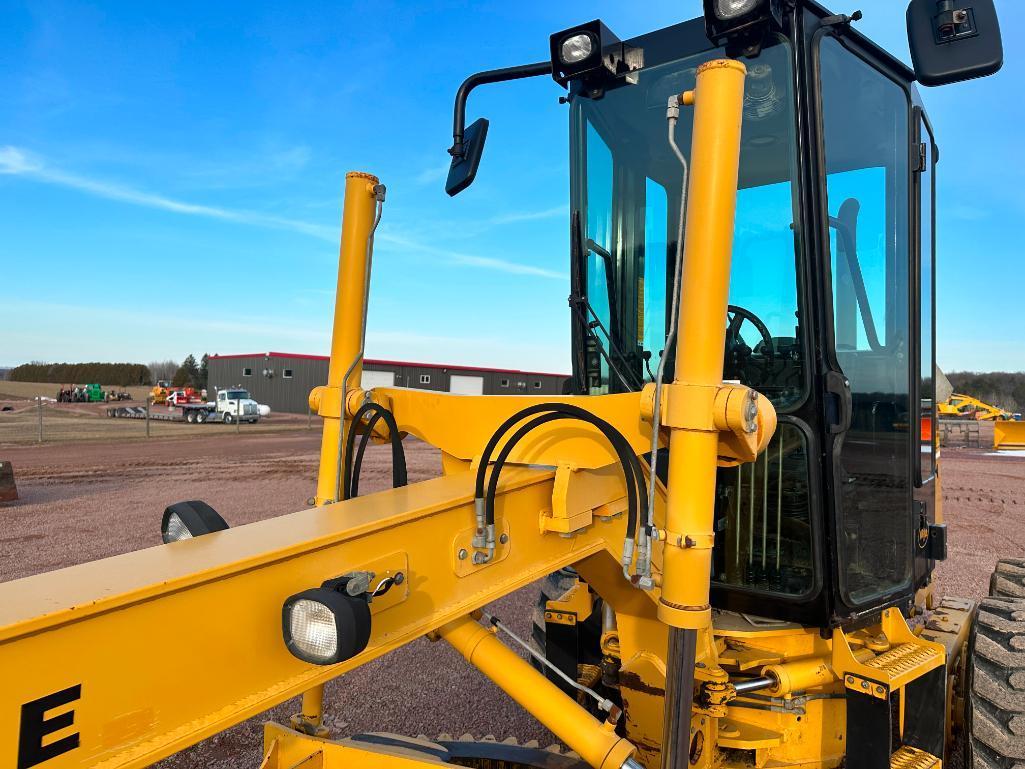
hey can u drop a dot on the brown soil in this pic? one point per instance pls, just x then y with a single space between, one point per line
73 496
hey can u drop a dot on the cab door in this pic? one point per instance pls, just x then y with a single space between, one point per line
866 124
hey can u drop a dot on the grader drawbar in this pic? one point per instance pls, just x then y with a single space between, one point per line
735 545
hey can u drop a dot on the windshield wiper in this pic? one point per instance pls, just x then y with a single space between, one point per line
581 307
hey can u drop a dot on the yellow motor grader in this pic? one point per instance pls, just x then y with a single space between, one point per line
735 523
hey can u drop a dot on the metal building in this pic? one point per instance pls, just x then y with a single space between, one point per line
283 380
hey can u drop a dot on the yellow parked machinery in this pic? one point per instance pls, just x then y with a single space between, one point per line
737 518
1009 434
960 406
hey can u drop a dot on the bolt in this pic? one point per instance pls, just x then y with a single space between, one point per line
850 680
504 539
400 578
880 690
864 684
462 554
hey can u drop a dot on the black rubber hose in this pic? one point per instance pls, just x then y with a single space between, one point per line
628 471
631 464
519 416
357 465
631 468
399 477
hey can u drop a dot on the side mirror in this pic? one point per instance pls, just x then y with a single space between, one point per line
954 40
464 166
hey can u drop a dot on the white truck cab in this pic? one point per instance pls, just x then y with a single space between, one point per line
236 404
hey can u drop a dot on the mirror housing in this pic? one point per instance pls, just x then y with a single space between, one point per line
954 40
463 169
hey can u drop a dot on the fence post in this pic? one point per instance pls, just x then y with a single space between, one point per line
149 399
309 417
39 400
238 416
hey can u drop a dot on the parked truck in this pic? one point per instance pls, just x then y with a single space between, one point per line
229 406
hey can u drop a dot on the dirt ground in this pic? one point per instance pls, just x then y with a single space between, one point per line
74 494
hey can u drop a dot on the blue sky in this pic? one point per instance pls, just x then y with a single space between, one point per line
171 176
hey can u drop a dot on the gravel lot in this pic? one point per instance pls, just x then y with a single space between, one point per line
73 495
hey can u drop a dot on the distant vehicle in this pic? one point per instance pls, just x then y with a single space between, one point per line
90 393
236 404
182 396
230 406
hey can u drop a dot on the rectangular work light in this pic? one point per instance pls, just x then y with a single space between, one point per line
592 53
741 24
326 625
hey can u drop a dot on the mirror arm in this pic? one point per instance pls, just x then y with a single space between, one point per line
483 78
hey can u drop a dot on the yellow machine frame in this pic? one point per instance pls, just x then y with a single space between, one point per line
122 662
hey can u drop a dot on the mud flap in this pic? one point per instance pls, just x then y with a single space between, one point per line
869 727
8 489
924 712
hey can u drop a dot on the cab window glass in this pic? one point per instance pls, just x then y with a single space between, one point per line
867 140
598 240
654 287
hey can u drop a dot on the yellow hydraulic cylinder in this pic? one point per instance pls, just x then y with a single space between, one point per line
704 291
597 743
349 323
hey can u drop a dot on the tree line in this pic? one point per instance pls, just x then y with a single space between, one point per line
121 374
188 373
1002 389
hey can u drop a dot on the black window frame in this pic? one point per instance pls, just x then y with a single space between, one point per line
929 139
287 373
247 371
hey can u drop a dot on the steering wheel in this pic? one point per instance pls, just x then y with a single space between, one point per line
739 362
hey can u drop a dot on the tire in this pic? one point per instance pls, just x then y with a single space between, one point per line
201 417
995 697
1008 580
228 418
190 417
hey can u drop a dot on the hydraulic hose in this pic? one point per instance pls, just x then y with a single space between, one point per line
644 551
350 480
485 503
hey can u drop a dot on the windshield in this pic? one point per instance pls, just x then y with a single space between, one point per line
238 395
626 203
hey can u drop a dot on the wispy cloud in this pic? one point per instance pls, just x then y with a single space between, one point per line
469 260
431 175
18 162
530 216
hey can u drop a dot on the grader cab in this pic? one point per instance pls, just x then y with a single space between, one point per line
734 510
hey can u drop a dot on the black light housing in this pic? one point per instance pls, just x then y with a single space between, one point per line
326 625
593 53
185 520
740 25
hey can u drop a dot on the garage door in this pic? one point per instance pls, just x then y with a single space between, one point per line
372 379
466 385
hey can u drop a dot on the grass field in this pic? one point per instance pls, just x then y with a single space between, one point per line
14 391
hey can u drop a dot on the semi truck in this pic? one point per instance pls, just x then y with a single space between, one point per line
234 404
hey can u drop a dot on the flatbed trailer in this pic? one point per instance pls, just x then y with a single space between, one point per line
197 413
